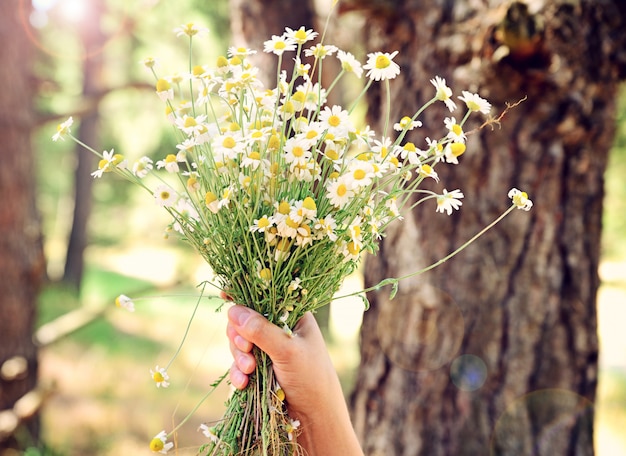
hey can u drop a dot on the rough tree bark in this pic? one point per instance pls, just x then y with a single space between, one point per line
21 253
495 352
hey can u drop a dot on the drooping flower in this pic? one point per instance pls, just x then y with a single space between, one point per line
63 129
448 201
444 93
349 63
209 432
159 443
520 199
380 66
125 302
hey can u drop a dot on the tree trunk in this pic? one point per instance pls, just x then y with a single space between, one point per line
93 40
21 252
495 352
255 21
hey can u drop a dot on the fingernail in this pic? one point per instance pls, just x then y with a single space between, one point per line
239 314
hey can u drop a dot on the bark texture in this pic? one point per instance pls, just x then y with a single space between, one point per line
495 352
21 254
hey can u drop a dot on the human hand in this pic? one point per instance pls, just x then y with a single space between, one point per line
305 373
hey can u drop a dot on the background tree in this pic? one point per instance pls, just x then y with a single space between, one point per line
496 351
21 254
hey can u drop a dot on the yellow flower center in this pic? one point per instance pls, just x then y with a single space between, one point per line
334 121
457 130
263 222
353 248
156 444
254 155
190 122
382 61
358 174
309 203
332 154
342 189
162 85
158 377
410 147
229 142
265 274
300 35
209 198
221 62
171 158
297 151
457 149
284 208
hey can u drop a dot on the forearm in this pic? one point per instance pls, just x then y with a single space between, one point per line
329 433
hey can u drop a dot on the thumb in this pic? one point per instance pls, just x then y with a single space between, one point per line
255 328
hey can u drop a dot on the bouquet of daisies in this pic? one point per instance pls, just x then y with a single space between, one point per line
281 194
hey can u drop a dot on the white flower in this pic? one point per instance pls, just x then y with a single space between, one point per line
279 44
190 29
165 196
337 121
448 201
169 163
301 35
349 63
125 302
381 66
142 167
63 129
339 192
520 199
209 432
475 103
160 377
159 443
443 92
320 51
406 123
455 131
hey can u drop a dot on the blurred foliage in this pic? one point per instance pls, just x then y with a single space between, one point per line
614 230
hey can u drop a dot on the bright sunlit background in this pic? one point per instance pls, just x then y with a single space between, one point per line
102 400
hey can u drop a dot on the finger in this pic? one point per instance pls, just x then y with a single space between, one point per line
241 343
237 378
255 328
244 361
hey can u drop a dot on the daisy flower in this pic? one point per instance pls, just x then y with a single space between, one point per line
336 121
63 129
475 103
125 302
164 90
406 123
320 51
339 192
444 93
349 63
380 66
160 377
142 167
326 227
279 44
190 29
427 171
164 196
159 443
291 428
448 201
520 199
297 151
301 35
169 163
108 161
240 51
209 432
455 131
